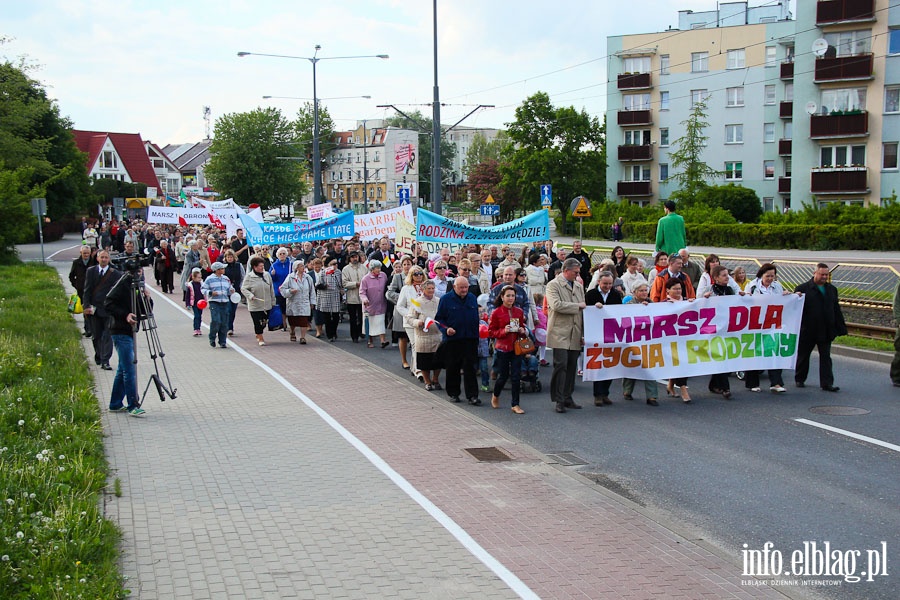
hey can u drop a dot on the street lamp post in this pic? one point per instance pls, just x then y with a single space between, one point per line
314 59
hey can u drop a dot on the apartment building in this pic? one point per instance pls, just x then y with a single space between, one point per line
802 111
462 137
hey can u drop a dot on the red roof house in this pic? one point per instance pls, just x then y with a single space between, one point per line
120 156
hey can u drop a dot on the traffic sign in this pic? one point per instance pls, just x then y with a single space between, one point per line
489 200
402 196
580 207
490 210
546 195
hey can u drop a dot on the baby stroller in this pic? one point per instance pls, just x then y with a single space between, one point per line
530 379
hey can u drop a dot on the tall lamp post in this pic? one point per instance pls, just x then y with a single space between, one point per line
314 59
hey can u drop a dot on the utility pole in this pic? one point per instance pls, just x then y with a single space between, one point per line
436 130
365 172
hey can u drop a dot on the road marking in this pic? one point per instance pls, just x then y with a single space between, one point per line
508 577
850 434
63 250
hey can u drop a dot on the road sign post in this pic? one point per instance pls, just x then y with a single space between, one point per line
546 195
39 209
580 208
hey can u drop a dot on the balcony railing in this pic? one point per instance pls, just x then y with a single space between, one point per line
634 117
786 109
634 81
631 152
840 180
634 188
784 147
787 70
838 125
784 185
842 68
842 11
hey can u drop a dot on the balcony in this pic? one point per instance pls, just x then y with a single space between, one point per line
786 109
838 125
787 70
634 81
845 68
634 117
784 185
784 147
832 12
840 180
633 153
634 188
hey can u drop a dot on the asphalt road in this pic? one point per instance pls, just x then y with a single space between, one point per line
734 472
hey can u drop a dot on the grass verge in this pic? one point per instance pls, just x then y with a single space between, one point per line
56 542
865 343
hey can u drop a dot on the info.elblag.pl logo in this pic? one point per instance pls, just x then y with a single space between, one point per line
814 559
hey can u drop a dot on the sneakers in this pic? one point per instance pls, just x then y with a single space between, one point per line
230 333
137 412
778 389
197 333
117 409
485 388
754 389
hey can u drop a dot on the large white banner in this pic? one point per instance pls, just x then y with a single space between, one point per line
684 339
195 216
380 224
218 204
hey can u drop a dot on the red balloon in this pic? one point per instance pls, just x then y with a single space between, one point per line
483 331
201 304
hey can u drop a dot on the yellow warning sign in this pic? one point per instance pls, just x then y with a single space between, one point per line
489 200
581 208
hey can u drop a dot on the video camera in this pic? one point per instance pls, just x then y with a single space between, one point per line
131 263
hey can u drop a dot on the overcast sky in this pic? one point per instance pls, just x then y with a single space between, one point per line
150 67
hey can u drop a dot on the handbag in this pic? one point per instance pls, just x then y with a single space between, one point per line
524 345
75 305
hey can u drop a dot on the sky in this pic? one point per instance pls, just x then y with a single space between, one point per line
150 67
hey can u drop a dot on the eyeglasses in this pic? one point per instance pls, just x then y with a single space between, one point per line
436 268
464 269
418 274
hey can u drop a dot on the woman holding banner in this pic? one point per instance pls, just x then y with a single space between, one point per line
675 293
718 383
765 285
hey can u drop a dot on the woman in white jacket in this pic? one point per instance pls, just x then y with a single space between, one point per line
704 287
537 275
411 290
299 293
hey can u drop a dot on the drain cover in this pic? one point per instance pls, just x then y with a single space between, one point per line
566 459
839 411
491 454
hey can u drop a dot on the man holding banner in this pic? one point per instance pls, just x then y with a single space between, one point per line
565 332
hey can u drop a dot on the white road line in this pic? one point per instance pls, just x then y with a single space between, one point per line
850 434
508 577
63 250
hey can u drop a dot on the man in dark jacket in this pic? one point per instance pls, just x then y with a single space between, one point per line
822 322
98 280
125 310
603 295
77 274
458 315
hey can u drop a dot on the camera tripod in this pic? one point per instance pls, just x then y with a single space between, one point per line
143 312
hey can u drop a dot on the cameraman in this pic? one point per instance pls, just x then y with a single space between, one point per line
126 308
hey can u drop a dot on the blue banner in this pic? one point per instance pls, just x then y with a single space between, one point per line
270 234
431 227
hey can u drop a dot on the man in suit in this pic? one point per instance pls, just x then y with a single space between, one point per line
601 296
98 280
76 277
822 321
565 330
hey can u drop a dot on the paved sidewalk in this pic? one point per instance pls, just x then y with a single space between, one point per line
332 478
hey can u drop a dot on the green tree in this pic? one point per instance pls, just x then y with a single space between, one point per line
254 157
560 146
17 224
34 136
741 202
305 126
423 125
486 179
482 150
692 172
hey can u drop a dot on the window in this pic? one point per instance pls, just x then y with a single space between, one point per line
736 59
894 41
663 64
663 136
768 132
637 173
788 130
734 134
789 92
842 99
889 155
849 43
378 193
637 137
698 96
842 156
664 101
734 96
891 99
637 64
663 171
108 160
787 167
769 169
771 56
699 62
734 171
770 94
333 194
769 204
637 102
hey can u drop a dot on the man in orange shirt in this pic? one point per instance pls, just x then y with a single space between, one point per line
658 291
